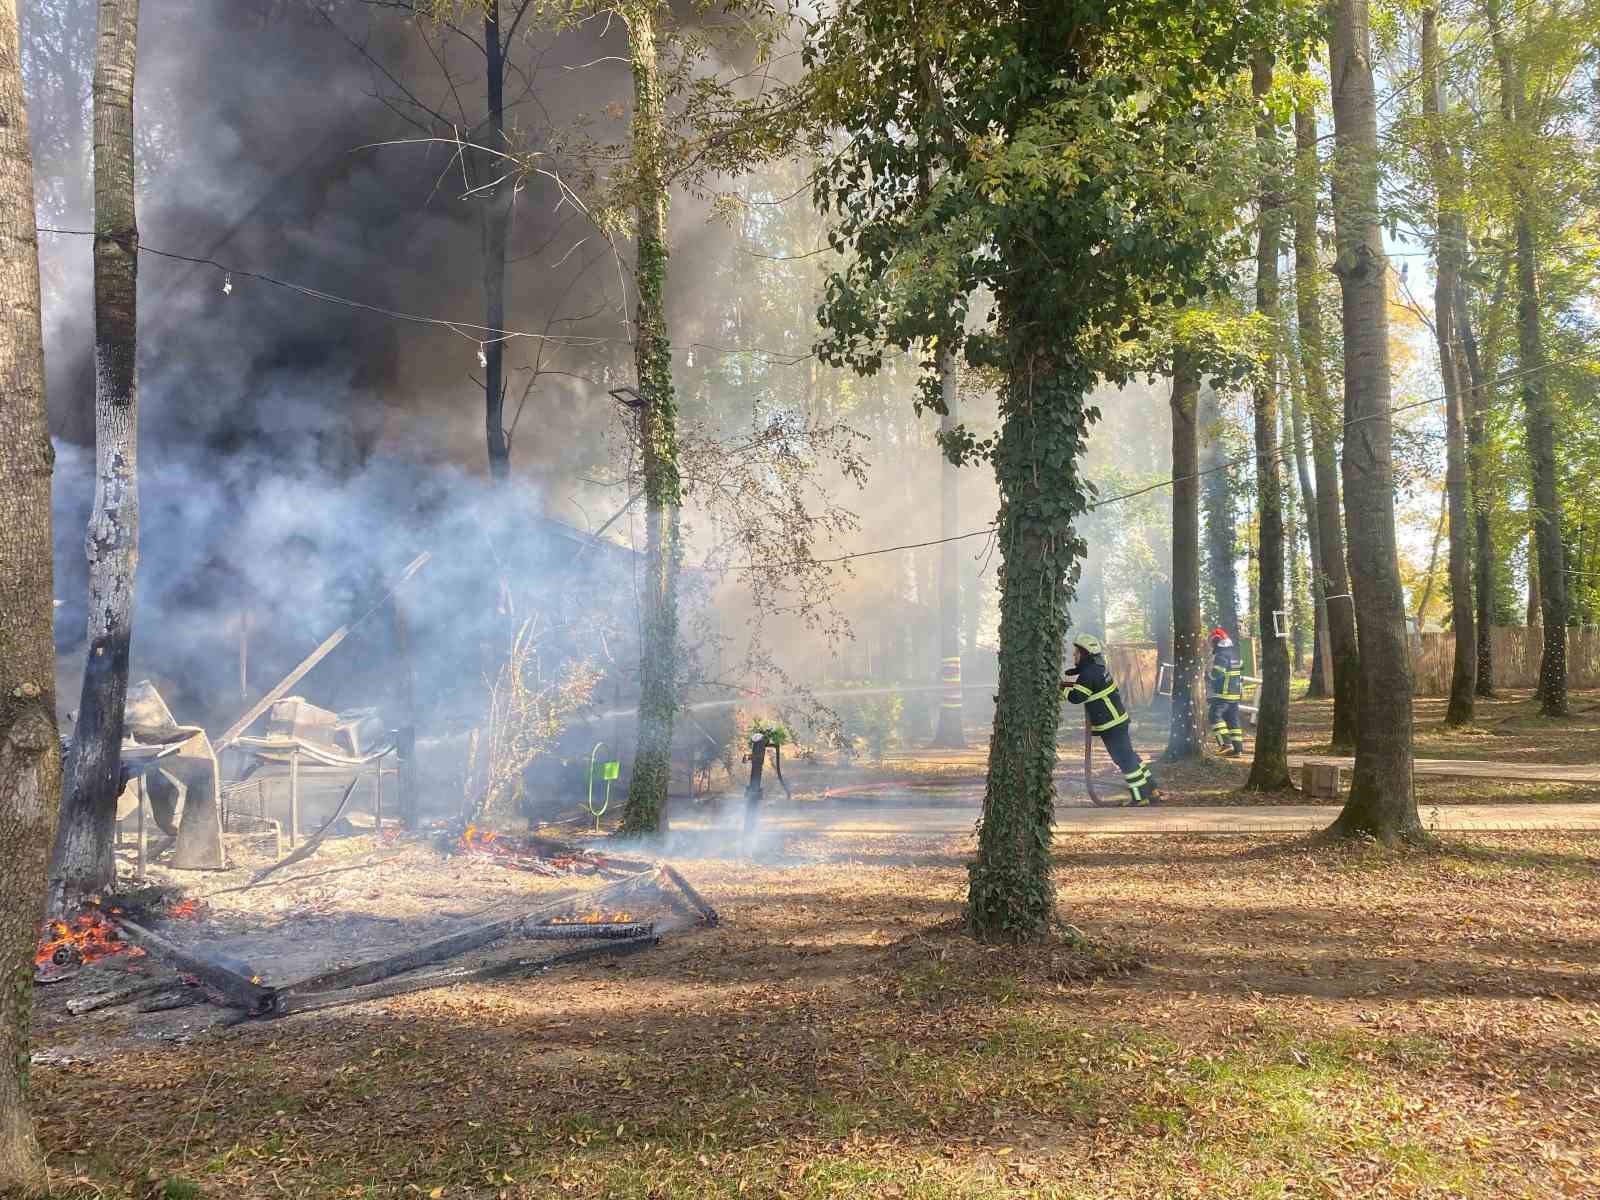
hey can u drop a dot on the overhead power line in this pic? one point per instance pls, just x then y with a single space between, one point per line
481 335
1228 465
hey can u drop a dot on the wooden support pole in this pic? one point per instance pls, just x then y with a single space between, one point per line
327 647
294 796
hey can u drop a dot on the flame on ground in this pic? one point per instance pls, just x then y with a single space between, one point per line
594 917
87 937
185 909
479 839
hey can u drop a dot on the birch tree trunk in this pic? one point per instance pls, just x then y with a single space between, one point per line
1464 671
1185 734
1269 771
1537 406
646 809
30 754
83 862
1382 800
496 223
1343 650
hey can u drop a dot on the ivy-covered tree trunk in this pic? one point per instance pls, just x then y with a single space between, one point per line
1382 800
646 809
1186 732
1483 560
83 863
1343 648
1010 894
30 754
1537 406
1269 771
1216 491
949 732
1464 671
496 223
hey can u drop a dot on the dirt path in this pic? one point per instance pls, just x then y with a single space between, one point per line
1472 768
955 811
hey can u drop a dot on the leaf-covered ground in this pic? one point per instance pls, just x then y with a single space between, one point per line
1306 1021
1506 729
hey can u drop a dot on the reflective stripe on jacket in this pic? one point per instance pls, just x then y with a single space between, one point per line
1226 680
1097 692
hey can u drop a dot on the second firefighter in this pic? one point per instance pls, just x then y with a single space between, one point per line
1090 684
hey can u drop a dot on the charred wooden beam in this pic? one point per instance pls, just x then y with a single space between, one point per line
516 968
242 991
79 1005
460 942
578 931
709 914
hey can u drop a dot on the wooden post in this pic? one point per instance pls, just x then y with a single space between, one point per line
406 737
142 842
294 796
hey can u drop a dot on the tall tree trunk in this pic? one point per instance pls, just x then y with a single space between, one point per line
30 755
1483 560
1317 687
1185 733
646 809
1464 672
1269 772
1010 894
497 220
1538 408
949 732
1293 507
1343 648
83 863
1535 598
1382 799
1216 490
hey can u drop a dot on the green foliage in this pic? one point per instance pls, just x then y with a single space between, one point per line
871 722
1044 154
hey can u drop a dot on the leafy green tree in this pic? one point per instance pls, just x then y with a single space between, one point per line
1071 136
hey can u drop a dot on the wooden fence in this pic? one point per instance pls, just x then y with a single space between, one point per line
1517 650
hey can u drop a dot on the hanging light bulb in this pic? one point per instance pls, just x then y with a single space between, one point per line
227 283
483 359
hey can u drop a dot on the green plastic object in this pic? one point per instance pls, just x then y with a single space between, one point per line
609 771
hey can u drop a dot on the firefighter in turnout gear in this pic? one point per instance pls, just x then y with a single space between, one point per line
1225 688
1089 683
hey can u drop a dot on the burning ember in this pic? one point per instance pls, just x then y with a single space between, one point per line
479 839
531 854
595 917
186 910
88 937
